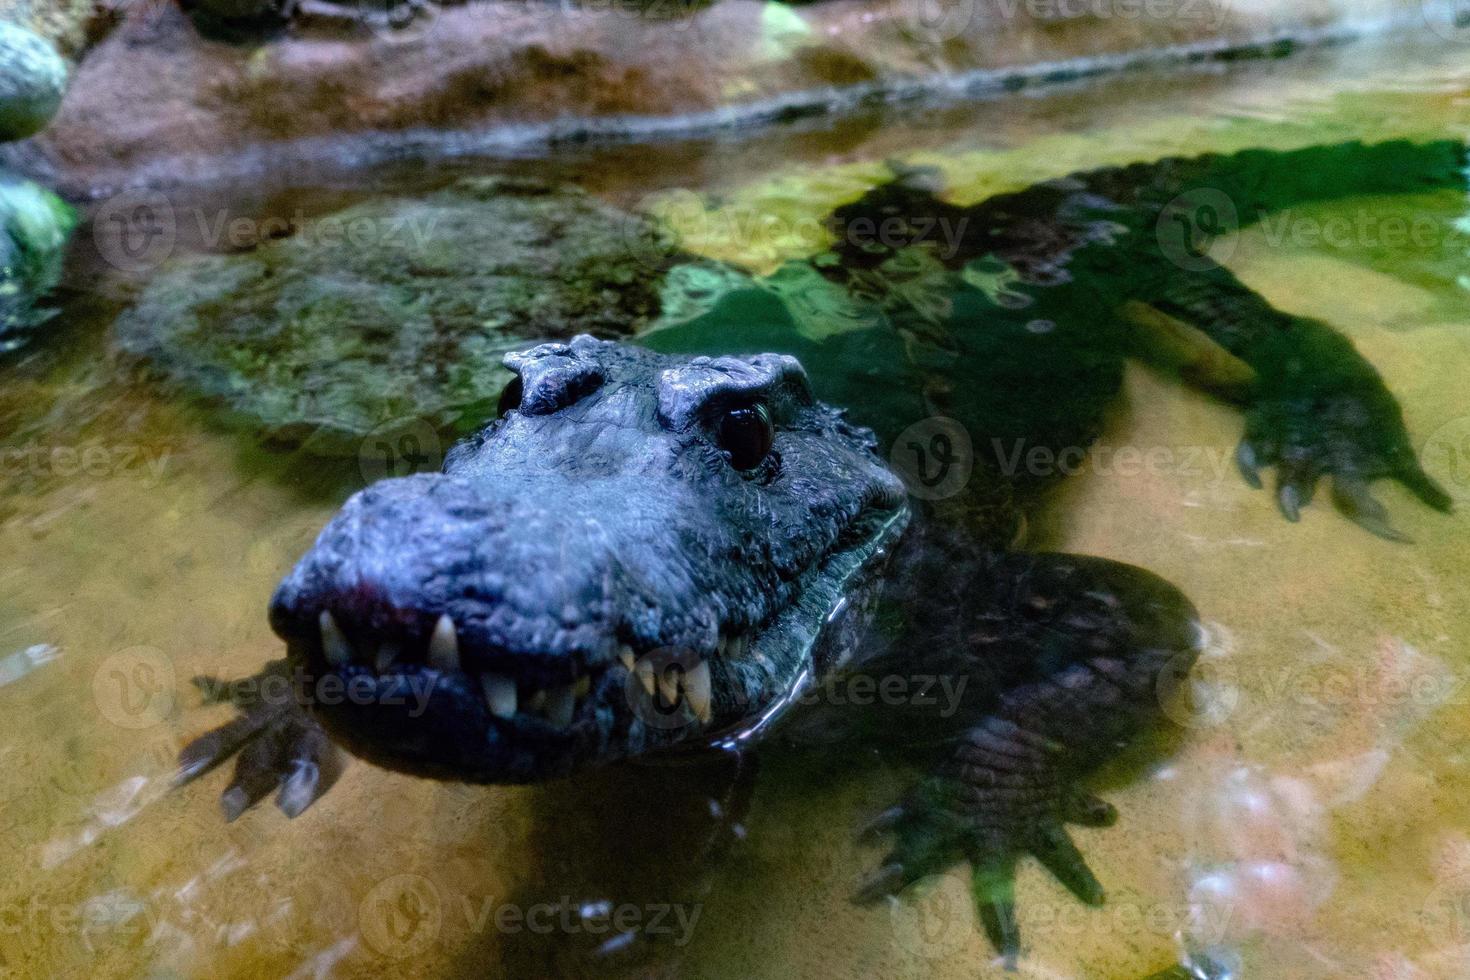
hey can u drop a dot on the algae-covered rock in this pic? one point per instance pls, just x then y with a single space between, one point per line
32 80
34 227
69 24
396 309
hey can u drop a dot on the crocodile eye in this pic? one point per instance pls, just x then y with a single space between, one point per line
510 396
746 434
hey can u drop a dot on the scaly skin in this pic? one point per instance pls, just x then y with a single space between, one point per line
648 535
1086 252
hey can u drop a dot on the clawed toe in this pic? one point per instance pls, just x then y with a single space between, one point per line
1423 486
888 880
213 747
1299 465
1296 484
1054 848
994 890
1354 501
1089 811
1249 463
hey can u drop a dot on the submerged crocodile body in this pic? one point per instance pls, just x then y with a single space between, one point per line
651 547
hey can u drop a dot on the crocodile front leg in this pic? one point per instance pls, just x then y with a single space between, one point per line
1067 656
275 741
1314 406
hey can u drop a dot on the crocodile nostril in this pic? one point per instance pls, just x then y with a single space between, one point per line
510 397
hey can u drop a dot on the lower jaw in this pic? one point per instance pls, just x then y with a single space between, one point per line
425 724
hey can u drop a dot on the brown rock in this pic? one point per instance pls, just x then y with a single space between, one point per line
157 101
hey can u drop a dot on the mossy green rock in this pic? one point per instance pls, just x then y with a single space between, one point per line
396 310
32 81
34 227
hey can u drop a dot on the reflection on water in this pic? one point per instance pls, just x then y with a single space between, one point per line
1306 819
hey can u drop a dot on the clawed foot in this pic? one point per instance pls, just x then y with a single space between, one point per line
278 744
1002 796
1354 434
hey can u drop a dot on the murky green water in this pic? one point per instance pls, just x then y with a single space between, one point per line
1308 812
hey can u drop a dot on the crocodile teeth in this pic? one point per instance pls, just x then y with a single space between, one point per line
500 694
334 644
444 646
625 654
697 690
559 704
387 655
644 670
668 686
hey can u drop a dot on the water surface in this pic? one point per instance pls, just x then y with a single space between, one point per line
1308 816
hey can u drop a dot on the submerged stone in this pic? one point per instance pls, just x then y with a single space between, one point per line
396 310
34 227
32 80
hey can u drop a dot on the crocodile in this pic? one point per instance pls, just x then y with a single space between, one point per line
651 548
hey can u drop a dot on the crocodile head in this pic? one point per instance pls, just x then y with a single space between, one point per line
642 549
